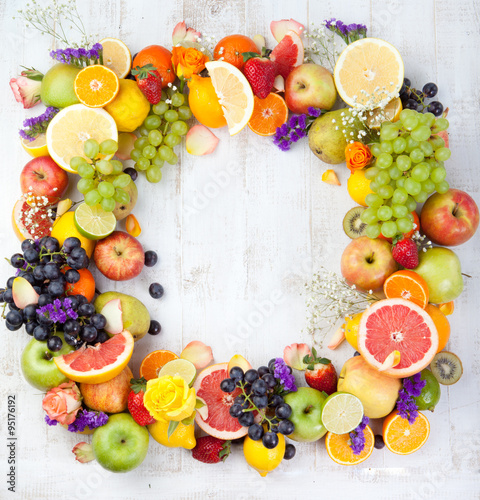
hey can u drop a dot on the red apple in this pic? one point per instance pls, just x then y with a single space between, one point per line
367 263
44 178
119 256
309 85
449 219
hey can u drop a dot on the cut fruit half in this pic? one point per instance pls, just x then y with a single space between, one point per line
219 423
352 223
407 285
180 367
447 368
341 412
234 94
397 325
31 222
338 447
404 438
369 73
96 86
288 54
98 363
390 113
268 114
93 222
116 56
153 363
37 147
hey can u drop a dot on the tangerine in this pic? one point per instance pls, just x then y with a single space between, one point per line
84 286
161 58
231 48
203 102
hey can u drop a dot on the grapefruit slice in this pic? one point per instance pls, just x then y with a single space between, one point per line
288 54
31 222
397 325
99 363
219 423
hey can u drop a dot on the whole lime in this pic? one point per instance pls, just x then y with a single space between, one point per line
57 86
430 394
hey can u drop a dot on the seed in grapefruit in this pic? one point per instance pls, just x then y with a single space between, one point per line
288 54
31 222
219 423
397 325
98 363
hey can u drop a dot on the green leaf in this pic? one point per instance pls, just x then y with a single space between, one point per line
314 352
199 404
249 55
171 428
225 451
189 420
138 385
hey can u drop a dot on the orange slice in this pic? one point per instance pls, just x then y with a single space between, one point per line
98 363
338 447
268 114
403 438
96 86
116 56
153 363
407 285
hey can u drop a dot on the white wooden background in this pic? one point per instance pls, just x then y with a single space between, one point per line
239 229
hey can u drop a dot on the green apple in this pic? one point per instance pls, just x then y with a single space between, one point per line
121 444
440 268
306 406
57 86
38 367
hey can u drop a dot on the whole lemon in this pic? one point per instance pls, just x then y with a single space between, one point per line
262 459
351 329
182 437
358 187
203 102
130 108
64 227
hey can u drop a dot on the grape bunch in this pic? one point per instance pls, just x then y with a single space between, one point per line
414 99
260 392
102 181
409 167
161 131
41 264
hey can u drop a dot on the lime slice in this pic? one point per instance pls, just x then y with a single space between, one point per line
180 367
93 222
341 412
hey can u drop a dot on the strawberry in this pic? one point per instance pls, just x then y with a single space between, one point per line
320 373
211 450
405 252
135 402
149 82
260 73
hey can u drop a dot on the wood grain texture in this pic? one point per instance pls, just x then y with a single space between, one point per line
238 233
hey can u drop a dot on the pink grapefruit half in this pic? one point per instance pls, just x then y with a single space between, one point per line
397 325
219 423
288 54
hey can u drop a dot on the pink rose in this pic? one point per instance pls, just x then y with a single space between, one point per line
63 402
183 34
26 88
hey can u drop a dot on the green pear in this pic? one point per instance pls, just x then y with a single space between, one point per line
135 316
123 209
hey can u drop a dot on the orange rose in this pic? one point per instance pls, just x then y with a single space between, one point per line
63 402
357 155
188 62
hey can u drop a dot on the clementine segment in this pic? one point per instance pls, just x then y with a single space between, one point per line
231 48
404 438
268 114
161 58
338 447
153 363
407 285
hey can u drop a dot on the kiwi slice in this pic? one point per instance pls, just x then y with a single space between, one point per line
446 367
352 224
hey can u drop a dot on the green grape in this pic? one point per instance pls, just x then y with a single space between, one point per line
85 185
410 123
373 200
91 148
442 187
149 152
121 196
179 127
386 147
411 204
93 197
142 163
427 119
399 145
373 231
421 197
155 137
420 172
404 225
421 133
428 186
371 172
411 144
417 155
178 99
104 167
121 181
154 174
403 163
135 154
384 213
399 210
376 150
106 189
405 113
442 154
172 140
108 147
369 215
388 132
399 196
382 178
373 186
440 124
76 161
171 115
143 131
152 122
437 142
426 148
108 204
384 160
86 171
400 182
386 192
173 160
394 172
140 143
160 108
117 167
389 229
436 175
184 113
156 160
165 153
412 187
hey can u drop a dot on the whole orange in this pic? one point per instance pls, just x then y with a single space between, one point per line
231 48
84 286
161 58
203 102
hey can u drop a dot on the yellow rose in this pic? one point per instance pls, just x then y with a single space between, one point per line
188 61
169 398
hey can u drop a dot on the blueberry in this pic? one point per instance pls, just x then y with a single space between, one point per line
379 443
155 327
290 451
151 257
156 290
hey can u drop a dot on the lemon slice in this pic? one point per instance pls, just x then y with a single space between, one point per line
390 113
234 94
341 412
116 56
93 222
37 147
72 126
180 367
369 73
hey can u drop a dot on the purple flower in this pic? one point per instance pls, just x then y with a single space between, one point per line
357 437
283 373
412 388
58 311
296 128
90 419
38 124
349 33
315 112
50 421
